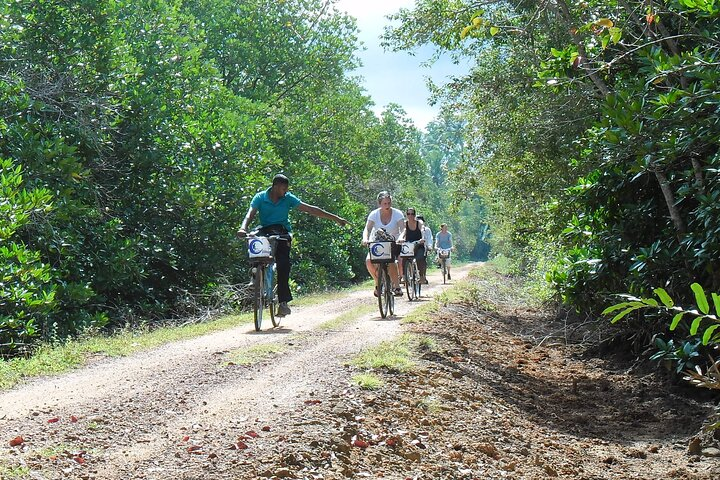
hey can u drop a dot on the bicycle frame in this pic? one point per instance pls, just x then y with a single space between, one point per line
381 255
443 255
410 270
262 262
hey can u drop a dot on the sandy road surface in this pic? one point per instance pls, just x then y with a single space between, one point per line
124 418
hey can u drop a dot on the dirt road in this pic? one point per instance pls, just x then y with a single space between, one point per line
499 390
129 417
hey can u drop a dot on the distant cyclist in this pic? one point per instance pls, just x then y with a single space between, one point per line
273 207
390 221
444 241
428 236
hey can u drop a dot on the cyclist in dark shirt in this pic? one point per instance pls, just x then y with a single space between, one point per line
414 233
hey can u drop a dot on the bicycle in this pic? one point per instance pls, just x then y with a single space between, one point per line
410 270
261 252
381 254
443 255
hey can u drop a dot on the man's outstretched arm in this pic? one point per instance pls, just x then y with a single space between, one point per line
319 212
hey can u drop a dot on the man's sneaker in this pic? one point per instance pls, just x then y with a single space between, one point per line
448 275
283 309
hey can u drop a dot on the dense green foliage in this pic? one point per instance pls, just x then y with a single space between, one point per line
136 133
592 131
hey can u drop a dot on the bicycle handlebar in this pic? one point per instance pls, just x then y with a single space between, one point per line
285 237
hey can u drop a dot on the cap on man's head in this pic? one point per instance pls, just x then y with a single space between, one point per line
280 179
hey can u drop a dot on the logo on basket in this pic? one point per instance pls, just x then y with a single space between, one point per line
255 246
378 250
406 248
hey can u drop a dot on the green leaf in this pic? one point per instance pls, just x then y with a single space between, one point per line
709 333
615 307
695 325
700 298
664 297
620 315
716 302
650 301
676 320
494 31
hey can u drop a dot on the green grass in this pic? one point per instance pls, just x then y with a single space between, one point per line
430 404
256 353
395 356
12 473
347 317
421 313
367 381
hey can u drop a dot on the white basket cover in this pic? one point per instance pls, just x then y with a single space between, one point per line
380 251
444 252
259 247
407 249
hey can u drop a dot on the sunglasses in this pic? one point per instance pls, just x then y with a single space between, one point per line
410 213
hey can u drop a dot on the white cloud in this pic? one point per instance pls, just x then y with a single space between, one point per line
394 77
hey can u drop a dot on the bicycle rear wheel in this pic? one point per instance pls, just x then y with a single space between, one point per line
409 278
418 284
258 296
273 303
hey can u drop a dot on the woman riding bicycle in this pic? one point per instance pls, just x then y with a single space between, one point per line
391 221
273 206
413 232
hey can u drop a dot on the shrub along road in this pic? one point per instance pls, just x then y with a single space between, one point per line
493 393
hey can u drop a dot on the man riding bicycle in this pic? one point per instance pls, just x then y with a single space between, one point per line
273 206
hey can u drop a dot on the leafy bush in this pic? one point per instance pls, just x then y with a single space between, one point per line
696 327
27 288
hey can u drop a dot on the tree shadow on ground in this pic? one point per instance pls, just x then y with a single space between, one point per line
556 386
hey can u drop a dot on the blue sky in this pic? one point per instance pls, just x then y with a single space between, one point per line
394 77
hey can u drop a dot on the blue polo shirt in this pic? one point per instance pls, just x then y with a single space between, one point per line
274 213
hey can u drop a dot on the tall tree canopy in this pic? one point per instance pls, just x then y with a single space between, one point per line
593 127
134 133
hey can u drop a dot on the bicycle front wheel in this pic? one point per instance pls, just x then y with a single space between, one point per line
258 297
389 294
444 270
382 288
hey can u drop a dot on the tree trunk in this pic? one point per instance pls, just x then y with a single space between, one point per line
697 168
670 202
564 12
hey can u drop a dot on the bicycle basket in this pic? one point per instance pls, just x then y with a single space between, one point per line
259 247
380 252
444 253
407 249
